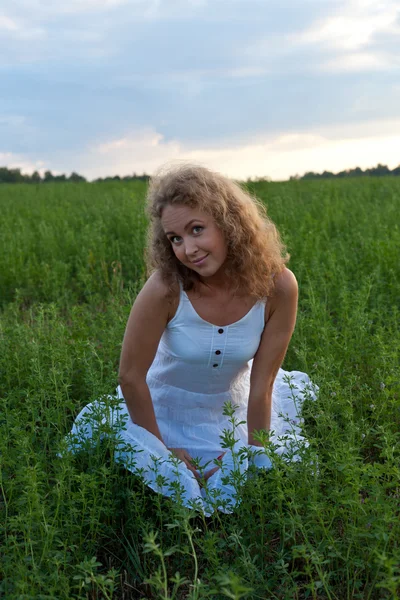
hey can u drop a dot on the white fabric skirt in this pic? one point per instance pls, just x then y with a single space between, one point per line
205 439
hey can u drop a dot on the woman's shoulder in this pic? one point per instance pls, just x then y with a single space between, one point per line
285 292
285 283
165 292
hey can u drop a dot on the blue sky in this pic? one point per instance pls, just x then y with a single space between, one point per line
247 87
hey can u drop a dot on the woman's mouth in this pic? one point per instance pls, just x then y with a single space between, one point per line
199 261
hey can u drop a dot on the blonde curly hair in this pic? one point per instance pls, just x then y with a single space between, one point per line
255 252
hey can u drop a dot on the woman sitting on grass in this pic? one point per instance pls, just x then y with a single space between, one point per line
210 328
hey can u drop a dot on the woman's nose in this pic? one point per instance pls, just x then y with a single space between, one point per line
190 247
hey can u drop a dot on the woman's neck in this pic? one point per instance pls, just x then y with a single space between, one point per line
216 285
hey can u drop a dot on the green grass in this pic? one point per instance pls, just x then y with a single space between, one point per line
71 263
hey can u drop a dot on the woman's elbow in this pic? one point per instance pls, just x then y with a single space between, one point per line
130 378
125 378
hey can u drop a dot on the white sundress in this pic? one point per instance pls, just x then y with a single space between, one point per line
198 368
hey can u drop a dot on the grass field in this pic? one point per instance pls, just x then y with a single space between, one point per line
71 263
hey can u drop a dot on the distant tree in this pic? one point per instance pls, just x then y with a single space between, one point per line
48 176
310 175
35 177
379 170
76 178
11 175
17 175
357 172
4 175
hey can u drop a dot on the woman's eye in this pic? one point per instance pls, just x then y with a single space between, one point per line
174 239
197 227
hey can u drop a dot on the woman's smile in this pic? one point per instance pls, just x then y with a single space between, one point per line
199 261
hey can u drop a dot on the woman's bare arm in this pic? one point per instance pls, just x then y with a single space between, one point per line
271 352
149 316
147 321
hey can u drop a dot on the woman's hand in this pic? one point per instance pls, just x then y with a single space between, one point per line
185 457
211 472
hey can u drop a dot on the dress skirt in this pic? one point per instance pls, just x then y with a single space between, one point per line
207 426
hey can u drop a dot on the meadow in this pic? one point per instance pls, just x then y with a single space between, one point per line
71 264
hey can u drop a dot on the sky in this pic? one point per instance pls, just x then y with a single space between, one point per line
250 88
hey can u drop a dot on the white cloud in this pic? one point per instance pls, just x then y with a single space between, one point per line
344 41
17 28
278 157
371 128
8 24
19 161
141 151
355 27
277 162
358 62
348 32
347 41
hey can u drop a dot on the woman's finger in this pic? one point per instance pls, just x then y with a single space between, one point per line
210 473
191 467
188 460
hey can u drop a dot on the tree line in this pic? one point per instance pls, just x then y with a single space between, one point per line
379 170
16 176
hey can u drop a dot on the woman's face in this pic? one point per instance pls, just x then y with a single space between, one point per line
195 239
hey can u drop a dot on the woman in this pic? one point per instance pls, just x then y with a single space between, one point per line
211 326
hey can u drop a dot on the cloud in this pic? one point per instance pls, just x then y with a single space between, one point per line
139 151
355 28
349 41
358 62
8 24
18 161
278 156
356 36
17 29
347 32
